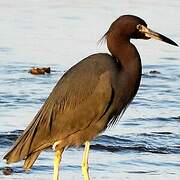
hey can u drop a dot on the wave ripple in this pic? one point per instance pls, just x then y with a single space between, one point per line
154 142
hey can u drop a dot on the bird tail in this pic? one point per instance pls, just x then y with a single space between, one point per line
20 150
30 144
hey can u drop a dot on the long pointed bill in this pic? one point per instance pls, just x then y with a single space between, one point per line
154 35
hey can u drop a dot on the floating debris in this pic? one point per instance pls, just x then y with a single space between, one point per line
37 71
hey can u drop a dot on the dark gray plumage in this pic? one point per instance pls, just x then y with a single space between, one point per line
82 104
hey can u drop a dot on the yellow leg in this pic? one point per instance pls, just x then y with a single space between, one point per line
85 161
57 160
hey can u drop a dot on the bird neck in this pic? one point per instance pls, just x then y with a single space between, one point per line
126 54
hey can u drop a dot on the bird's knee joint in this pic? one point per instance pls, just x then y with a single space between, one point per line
55 144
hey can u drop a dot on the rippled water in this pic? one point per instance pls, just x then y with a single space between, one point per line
145 144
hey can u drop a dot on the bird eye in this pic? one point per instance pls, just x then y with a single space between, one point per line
139 27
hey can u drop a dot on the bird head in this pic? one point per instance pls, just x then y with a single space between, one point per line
129 26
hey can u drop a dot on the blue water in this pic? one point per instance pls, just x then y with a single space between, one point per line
145 144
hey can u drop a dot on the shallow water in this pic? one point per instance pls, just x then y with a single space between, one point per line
145 144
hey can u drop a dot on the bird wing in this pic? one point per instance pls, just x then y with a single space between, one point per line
76 102
80 97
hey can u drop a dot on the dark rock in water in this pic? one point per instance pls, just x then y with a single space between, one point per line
42 70
154 72
7 171
36 71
